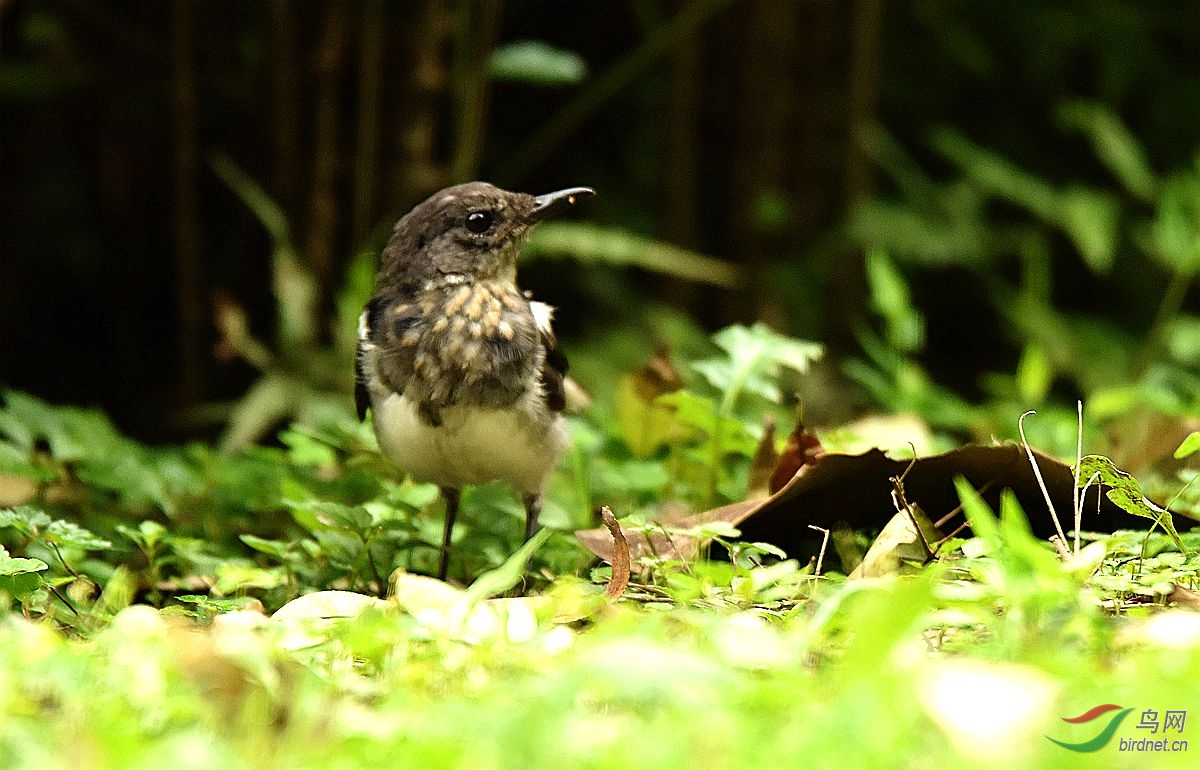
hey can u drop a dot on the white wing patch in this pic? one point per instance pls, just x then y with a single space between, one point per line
543 314
364 327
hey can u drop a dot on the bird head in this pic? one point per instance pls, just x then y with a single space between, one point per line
473 231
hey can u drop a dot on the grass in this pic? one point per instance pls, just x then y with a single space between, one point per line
890 673
217 609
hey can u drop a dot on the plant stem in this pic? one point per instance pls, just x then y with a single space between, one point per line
1168 309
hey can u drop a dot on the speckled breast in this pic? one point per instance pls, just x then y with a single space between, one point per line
473 344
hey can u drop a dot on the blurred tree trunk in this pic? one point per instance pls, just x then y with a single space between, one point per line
799 102
366 150
680 173
322 231
285 103
477 27
190 288
848 284
415 103
771 131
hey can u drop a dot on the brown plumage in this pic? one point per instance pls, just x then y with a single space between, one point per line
460 366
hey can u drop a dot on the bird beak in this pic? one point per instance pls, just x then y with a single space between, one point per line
554 203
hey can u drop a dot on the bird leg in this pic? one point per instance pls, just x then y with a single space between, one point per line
452 497
533 506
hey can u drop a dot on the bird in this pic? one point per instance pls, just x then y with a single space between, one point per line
459 367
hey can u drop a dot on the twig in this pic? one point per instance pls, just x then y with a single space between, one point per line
900 502
958 508
1077 500
824 543
938 545
1037 473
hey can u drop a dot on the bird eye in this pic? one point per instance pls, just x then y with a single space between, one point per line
479 221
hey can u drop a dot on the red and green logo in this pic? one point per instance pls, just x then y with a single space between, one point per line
1104 736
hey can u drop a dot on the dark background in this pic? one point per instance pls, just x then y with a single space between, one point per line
729 127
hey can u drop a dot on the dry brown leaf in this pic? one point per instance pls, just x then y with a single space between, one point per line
1185 598
803 447
620 555
856 490
764 463
661 543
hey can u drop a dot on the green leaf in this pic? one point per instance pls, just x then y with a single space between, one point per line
1189 447
1090 218
19 578
16 462
26 519
326 514
1114 145
1035 374
891 299
645 425
508 574
753 360
1125 492
237 577
537 63
611 246
71 534
700 412
983 522
276 548
995 174
636 475
1175 230
15 566
304 449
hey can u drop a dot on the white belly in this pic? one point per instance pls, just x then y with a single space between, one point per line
471 446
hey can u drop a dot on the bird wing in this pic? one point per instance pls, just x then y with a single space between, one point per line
362 398
554 361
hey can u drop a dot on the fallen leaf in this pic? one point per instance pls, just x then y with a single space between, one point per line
898 545
856 490
662 543
620 558
763 464
1184 598
803 447
645 424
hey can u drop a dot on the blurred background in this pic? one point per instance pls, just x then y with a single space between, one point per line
962 201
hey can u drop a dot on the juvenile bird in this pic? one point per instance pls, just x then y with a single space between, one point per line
459 366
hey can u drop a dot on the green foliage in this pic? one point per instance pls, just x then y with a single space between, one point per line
537 63
1146 566
339 682
145 582
1126 493
704 433
997 219
301 378
751 363
589 243
324 509
1038 593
